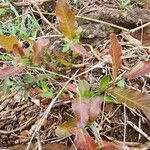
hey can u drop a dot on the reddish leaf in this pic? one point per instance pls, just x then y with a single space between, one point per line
83 141
8 71
7 42
38 48
18 51
95 108
132 98
142 68
81 111
77 47
66 19
70 86
64 130
115 52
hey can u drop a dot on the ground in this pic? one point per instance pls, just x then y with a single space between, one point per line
25 96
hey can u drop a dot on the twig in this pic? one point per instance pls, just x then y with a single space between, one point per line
140 27
47 111
43 17
139 130
29 122
103 22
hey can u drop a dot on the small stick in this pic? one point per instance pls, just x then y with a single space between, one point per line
140 27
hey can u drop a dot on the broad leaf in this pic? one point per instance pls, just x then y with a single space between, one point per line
64 130
81 112
104 83
132 98
83 141
66 19
77 47
7 42
38 48
95 108
142 68
9 71
115 52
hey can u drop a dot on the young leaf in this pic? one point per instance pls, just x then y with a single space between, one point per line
104 83
132 98
83 141
115 52
83 87
64 130
8 71
95 108
66 19
38 48
77 47
142 68
7 42
81 111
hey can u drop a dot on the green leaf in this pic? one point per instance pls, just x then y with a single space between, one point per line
3 11
121 83
110 99
6 85
66 47
83 87
104 83
29 79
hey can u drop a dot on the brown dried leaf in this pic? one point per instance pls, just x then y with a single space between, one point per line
38 48
142 68
18 51
81 111
9 71
70 86
66 19
64 130
132 98
115 52
7 42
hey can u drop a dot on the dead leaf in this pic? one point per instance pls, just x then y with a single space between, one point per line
64 130
18 51
132 98
141 69
7 42
70 86
115 52
9 71
38 49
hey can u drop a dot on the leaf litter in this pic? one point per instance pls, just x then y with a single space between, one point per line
85 93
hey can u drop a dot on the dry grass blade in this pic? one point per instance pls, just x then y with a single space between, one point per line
132 98
115 52
66 19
